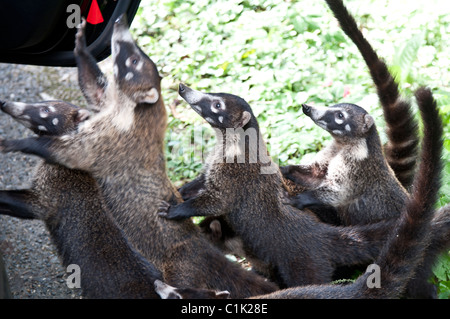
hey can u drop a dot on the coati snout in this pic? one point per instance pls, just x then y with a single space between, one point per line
341 120
46 118
135 73
221 110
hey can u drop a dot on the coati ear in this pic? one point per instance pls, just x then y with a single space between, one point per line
150 97
222 294
82 115
245 118
368 123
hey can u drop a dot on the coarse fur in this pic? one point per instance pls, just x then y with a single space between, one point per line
247 189
405 247
122 146
70 204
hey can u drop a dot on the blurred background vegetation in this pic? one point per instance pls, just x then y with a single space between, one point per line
278 54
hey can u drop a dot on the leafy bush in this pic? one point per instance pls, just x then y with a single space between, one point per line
279 54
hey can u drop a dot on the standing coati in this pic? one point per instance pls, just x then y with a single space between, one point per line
358 181
406 244
73 210
401 126
295 244
122 147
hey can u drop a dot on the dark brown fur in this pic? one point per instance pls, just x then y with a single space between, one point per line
123 148
300 248
80 224
407 243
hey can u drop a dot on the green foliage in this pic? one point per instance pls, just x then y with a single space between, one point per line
279 54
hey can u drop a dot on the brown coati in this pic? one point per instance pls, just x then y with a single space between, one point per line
70 204
401 125
358 181
407 242
122 146
244 185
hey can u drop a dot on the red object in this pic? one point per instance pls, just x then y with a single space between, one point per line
94 15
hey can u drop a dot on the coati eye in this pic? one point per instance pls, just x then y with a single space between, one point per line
217 105
134 61
340 115
46 110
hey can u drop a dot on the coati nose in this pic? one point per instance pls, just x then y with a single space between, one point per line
306 109
2 103
181 88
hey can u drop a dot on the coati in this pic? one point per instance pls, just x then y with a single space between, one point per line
359 182
406 244
73 210
122 147
401 125
247 189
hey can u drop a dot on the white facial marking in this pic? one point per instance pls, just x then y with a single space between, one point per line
197 108
129 76
339 121
128 62
317 112
43 114
123 35
139 65
51 109
116 70
193 96
348 128
221 119
214 110
55 121
42 128
209 120
337 132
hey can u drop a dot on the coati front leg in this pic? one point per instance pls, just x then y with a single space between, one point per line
67 150
17 203
305 175
204 204
91 79
192 188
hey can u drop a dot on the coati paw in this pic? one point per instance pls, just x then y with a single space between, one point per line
168 211
80 40
163 209
5 146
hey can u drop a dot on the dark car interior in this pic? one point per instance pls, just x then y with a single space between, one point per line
39 32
